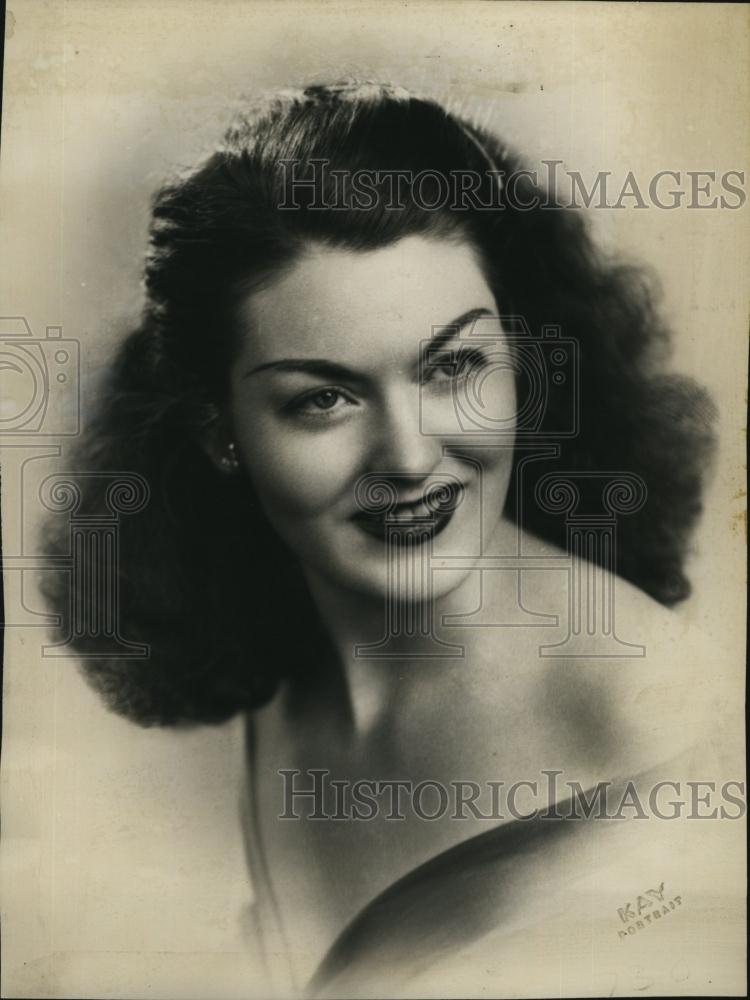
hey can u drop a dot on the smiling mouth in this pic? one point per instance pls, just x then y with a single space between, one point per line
412 523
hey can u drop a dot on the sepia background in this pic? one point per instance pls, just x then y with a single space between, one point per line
123 864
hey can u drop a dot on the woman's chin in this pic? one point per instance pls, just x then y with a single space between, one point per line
403 579
410 564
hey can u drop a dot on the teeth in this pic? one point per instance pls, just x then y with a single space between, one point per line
409 511
420 508
421 504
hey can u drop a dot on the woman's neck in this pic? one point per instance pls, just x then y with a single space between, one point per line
378 662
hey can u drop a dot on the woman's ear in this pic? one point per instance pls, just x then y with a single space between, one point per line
217 442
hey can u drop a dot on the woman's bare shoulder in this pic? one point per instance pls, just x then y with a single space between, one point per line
620 681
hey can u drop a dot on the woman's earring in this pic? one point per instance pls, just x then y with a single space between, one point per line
230 462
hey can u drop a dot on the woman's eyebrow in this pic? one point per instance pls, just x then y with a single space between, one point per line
444 333
312 366
331 369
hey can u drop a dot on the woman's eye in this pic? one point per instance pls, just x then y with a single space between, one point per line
322 403
325 400
456 365
444 365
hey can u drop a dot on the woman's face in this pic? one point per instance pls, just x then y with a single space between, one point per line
387 366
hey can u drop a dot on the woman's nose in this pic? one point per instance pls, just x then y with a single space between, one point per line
399 444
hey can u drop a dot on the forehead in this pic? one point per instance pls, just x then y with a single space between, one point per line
355 305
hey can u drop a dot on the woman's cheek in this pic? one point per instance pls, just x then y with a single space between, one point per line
302 472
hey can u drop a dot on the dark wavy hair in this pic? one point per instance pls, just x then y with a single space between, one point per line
203 578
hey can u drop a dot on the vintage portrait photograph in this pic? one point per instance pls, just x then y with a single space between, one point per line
373 406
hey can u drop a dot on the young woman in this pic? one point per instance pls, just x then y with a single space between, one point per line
397 418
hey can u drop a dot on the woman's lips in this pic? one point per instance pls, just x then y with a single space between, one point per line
412 522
